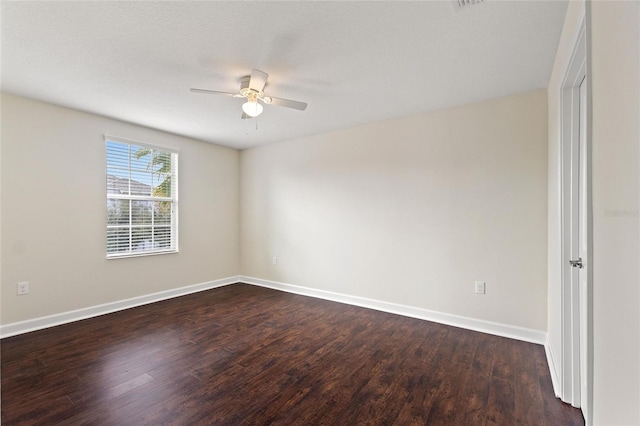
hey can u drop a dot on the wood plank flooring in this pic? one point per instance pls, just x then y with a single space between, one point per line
245 355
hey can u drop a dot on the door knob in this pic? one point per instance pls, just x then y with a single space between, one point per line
576 263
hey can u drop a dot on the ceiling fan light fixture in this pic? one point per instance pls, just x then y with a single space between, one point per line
252 108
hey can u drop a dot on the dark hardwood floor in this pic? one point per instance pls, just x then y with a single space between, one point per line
247 355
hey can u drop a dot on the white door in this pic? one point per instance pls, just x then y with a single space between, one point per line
579 253
583 252
575 354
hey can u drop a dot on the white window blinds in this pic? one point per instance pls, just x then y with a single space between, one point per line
142 199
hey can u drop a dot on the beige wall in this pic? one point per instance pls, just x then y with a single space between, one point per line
615 36
410 211
54 212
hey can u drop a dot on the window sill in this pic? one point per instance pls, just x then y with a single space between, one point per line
129 255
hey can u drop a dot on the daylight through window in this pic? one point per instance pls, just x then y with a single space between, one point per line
142 199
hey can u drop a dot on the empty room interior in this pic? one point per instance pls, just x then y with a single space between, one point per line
334 213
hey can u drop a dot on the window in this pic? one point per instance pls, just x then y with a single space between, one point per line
142 199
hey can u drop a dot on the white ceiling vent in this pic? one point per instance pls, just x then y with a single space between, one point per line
463 4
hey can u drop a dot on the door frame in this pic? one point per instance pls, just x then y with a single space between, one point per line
571 332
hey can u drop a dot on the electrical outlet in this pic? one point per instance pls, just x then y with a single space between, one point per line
274 260
480 287
23 288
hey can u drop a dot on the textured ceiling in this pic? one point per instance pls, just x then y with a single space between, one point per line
352 62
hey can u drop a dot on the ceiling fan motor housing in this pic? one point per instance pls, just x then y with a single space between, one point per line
246 91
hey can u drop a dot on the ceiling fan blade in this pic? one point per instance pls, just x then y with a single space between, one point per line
214 92
285 103
258 80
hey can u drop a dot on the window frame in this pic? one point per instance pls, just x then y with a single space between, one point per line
173 199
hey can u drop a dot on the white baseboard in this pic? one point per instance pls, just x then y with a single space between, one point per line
498 329
12 329
555 380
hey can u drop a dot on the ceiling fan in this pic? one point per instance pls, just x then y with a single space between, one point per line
252 88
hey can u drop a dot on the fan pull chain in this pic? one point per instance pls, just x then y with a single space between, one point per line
246 126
